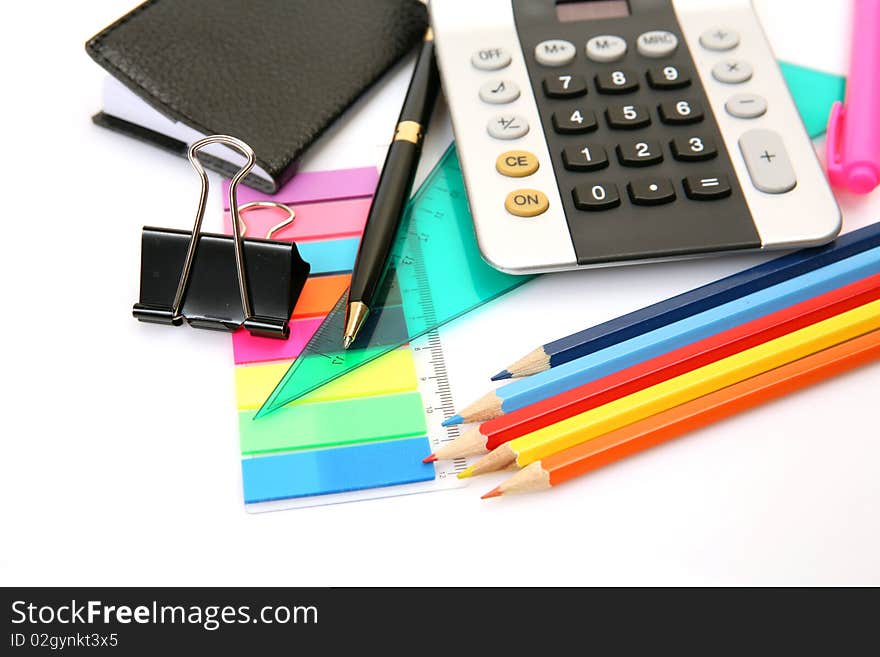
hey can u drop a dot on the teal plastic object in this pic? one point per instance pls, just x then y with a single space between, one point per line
814 93
435 274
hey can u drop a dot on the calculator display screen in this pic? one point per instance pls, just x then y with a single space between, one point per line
589 10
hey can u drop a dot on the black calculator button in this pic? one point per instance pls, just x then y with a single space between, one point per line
693 148
706 188
584 157
565 85
574 121
620 81
596 196
651 191
639 153
679 112
627 117
667 77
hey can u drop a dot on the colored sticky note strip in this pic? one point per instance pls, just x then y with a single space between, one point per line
249 348
319 295
330 424
814 92
329 256
313 221
314 186
392 373
324 471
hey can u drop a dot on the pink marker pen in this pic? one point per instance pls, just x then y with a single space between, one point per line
853 142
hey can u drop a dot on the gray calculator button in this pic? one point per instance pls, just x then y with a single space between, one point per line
732 71
767 162
490 59
507 126
719 38
746 106
555 52
656 43
499 92
606 48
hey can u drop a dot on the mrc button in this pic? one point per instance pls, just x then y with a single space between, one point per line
516 164
526 202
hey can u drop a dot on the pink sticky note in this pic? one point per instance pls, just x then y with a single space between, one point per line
251 349
314 186
314 221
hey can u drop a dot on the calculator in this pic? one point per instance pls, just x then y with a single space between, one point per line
600 132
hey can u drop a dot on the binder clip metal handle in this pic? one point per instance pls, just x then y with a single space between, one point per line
189 276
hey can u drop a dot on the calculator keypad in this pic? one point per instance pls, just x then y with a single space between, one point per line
680 112
639 153
575 120
651 191
667 77
627 117
618 81
585 157
565 86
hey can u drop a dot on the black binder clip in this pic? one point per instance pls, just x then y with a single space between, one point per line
215 281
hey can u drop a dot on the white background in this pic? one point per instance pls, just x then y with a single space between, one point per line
120 460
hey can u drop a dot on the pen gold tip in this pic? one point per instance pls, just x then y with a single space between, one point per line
357 315
346 341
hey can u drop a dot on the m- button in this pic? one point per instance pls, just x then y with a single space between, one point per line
516 164
526 202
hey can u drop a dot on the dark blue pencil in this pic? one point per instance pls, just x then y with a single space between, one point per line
692 302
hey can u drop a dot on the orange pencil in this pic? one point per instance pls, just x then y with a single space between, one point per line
593 454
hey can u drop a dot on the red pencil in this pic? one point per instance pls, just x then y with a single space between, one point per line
500 430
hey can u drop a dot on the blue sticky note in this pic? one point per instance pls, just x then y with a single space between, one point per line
329 256
325 471
814 93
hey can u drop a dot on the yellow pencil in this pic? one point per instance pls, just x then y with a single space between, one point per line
691 385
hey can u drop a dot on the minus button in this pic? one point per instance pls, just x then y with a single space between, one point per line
746 106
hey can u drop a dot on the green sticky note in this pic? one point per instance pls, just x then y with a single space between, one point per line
814 93
331 424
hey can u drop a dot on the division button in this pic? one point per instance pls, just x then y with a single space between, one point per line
667 77
732 71
627 117
584 157
490 59
574 121
516 164
639 153
656 43
706 188
651 191
596 196
499 92
746 106
680 112
565 86
621 81
693 148
526 202
606 48
719 38
555 52
507 126
767 162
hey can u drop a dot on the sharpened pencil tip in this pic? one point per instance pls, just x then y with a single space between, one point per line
495 492
429 459
503 374
465 474
455 419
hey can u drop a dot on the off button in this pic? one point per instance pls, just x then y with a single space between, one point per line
516 164
526 202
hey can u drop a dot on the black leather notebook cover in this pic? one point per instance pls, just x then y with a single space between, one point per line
274 73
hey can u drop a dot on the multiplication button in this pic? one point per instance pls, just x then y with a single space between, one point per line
490 59
606 48
499 92
516 164
555 52
526 202
507 126
732 71
594 197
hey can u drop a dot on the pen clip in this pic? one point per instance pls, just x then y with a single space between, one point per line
833 143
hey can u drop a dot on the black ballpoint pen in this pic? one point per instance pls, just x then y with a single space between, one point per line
393 189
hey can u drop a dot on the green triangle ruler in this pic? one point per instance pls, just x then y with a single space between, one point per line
435 274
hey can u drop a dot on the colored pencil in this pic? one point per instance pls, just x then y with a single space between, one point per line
493 433
522 392
691 303
691 416
684 388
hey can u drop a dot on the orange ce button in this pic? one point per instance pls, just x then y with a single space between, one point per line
526 202
516 164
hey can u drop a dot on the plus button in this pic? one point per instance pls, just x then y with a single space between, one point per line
768 156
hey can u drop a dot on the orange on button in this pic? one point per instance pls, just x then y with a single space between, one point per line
516 164
526 202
